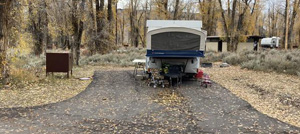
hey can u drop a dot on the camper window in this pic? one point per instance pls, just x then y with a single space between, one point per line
175 41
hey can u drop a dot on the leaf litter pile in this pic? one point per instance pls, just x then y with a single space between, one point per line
277 95
46 90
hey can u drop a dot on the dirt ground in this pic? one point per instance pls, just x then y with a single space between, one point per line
277 95
115 103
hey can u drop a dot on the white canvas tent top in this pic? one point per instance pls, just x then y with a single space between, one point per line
157 24
175 35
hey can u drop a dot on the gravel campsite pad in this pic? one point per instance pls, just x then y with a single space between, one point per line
277 95
115 103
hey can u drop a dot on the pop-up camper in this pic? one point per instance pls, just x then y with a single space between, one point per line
180 43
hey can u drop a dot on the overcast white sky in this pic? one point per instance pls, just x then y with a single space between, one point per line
122 3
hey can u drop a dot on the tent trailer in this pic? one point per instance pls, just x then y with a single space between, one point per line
175 42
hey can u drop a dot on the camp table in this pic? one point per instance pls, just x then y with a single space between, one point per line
139 64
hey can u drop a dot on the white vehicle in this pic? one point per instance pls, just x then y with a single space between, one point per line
270 42
175 42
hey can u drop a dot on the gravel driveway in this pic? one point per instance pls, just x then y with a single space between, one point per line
115 103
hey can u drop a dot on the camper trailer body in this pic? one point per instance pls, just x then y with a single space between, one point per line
176 43
272 42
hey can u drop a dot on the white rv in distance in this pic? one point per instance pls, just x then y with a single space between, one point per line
272 42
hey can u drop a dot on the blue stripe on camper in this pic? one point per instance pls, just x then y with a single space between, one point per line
176 54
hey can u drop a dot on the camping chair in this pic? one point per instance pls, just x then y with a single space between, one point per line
175 72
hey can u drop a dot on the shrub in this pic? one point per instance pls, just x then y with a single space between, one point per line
211 56
122 57
250 64
280 61
29 61
233 59
21 77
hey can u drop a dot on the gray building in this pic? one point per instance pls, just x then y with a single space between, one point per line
219 44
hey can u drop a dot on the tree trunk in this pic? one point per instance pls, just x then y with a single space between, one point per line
116 7
166 12
225 25
232 27
213 23
294 14
145 23
36 29
257 16
80 31
209 15
240 27
123 28
109 11
2 45
4 17
45 27
286 24
234 32
100 23
1 21
175 17
99 16
91 12
110 18
134 31
77 28
92 29
298 38
273 22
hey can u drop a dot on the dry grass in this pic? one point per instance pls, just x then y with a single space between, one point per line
277 95
45 90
